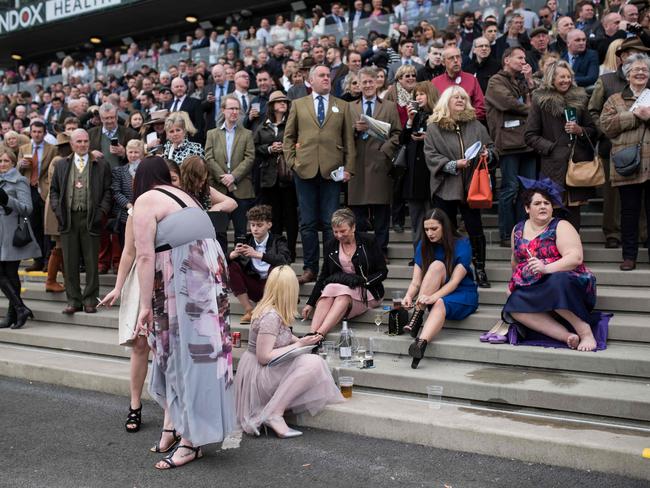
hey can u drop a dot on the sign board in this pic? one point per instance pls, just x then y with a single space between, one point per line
46 11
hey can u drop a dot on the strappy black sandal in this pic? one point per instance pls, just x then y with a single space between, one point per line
134 419
170 462
177 439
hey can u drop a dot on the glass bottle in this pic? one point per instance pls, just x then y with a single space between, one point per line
346 342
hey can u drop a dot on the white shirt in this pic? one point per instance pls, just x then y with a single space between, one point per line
178 105
260 266
77 161
326 101
245 95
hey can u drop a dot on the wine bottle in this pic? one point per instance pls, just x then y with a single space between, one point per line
345 343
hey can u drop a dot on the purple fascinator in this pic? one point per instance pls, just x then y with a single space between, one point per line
545 184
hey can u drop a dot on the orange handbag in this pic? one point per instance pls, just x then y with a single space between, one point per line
480 188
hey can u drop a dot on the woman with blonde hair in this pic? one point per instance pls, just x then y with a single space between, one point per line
402 92
452 129
351 88
610 63
178 147
303 383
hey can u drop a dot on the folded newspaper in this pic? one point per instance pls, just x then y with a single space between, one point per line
377 128
642 101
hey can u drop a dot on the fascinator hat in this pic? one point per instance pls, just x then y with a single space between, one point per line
547 185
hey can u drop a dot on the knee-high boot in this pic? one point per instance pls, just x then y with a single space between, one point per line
53 266
479 251
22 312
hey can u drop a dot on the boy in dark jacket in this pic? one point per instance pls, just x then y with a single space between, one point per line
253 258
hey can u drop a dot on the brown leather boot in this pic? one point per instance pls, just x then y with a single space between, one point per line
55 263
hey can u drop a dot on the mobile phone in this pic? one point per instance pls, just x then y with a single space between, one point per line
240 240
115 142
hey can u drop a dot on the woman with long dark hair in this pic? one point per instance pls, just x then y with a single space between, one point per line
442 280
184 309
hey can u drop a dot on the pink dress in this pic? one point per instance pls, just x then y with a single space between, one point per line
302 384
334 290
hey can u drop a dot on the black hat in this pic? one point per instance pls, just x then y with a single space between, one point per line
537 31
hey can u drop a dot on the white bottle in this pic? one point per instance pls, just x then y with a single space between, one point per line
345 343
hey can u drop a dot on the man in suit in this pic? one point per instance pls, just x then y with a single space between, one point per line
357 14
80 196
55 116
182 103
35 158
370 191
583 61
108 143
219 88
338 69
406 49
318 139
264 84
230 154
515 36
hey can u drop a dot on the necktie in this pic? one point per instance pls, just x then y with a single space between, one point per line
321 109
82 164
244 103
175 106
33 180
369 108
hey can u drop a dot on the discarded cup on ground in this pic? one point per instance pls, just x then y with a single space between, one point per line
398 295
345 384
434 394
329 347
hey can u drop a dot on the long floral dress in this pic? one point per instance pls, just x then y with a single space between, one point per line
192 370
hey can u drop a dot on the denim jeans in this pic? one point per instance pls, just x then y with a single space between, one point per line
318 199
511 209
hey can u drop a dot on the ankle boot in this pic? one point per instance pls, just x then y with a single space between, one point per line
416 351
54 264
10 318
22 312
479 244
415 323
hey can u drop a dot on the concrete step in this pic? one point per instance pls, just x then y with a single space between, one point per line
572 441
472 380
620 358
624 326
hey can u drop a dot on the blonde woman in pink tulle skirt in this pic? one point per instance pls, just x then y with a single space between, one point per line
264 393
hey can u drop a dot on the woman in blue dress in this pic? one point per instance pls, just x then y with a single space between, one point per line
443 282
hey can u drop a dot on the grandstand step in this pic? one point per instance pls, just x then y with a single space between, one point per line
623 326
561 439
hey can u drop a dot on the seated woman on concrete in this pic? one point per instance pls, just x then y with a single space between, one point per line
552 293
350 281
252 260
302 383
442 280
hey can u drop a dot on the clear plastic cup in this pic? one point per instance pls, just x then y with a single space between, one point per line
329 347
398 295
434 394
345 384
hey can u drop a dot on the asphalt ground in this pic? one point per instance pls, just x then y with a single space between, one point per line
62 437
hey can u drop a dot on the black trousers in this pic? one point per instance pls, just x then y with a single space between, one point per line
9 270
37 221
284 204
632 198
379 215
471 216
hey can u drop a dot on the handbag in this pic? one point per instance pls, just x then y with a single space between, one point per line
284 173
129 308
479 194
585 173
22 236
627 161
398 164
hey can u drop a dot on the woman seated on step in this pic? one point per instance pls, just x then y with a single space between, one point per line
350 281
551 292
263 393
443 281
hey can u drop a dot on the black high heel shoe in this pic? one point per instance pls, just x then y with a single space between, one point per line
416 351
134 419
415 324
